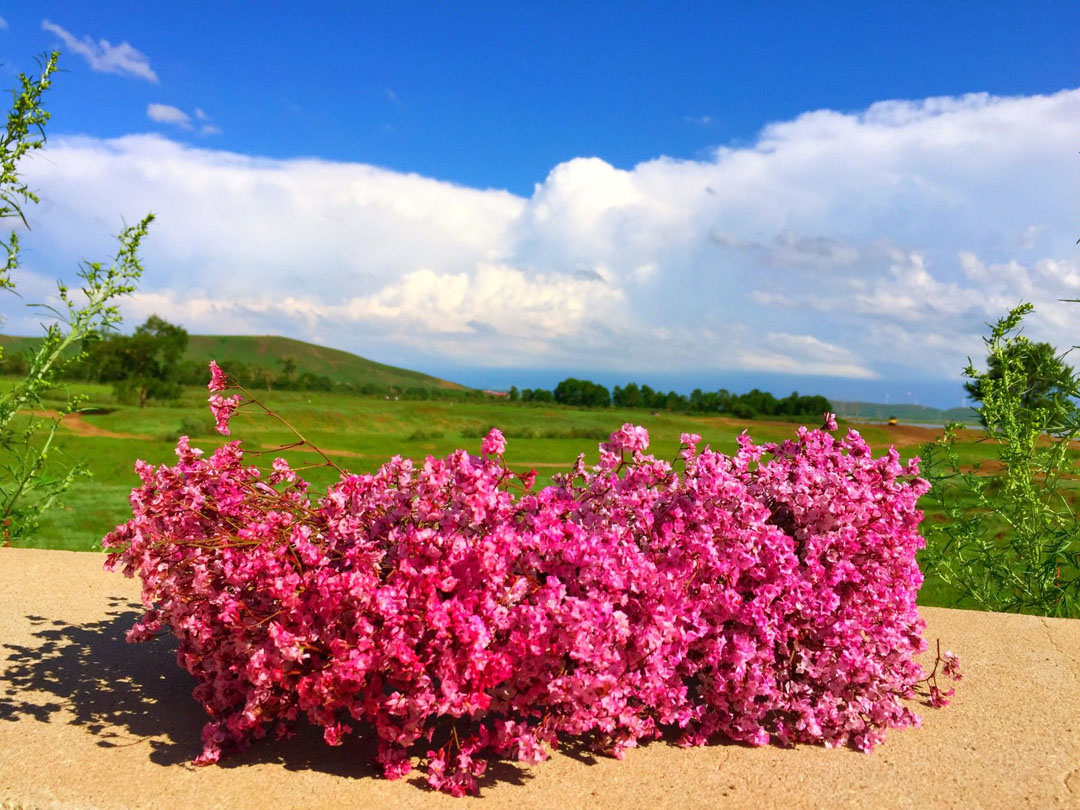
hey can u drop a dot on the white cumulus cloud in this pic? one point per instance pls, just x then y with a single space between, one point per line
103 56
871 245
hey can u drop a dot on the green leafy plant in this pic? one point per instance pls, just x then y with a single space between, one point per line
1010 539
1045 381
30 479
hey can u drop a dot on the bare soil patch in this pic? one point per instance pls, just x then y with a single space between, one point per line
77 424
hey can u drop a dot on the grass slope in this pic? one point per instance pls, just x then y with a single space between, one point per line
17 344
268 350
340 366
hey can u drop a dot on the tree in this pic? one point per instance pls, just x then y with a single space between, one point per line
1039 377
628 397
144 365
581 393
30 479
288 371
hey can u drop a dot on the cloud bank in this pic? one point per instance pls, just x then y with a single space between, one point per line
867 245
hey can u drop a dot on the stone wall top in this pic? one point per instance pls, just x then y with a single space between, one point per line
88 721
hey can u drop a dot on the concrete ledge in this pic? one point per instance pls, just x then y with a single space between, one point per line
88 721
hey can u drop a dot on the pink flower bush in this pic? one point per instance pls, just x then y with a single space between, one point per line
765 596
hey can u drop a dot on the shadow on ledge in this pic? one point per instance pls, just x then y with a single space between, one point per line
124 694
136 694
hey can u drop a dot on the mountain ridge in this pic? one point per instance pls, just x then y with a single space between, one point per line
904 412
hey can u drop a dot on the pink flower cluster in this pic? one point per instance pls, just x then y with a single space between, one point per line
768 595
221 407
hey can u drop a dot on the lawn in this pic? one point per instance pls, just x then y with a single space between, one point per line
360 433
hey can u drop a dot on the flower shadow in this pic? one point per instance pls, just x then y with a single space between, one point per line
123 694
87 675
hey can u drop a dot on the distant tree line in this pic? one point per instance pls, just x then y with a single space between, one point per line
149 365
755 403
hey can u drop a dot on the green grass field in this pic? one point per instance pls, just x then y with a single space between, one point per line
361 433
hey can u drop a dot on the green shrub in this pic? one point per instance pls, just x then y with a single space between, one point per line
190 427
1010 540
425 435
530 432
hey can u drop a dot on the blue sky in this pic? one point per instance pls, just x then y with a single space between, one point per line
831 197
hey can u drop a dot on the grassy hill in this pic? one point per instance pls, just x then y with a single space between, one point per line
14 344
268 350
339 366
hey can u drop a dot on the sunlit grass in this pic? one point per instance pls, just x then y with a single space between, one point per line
361 433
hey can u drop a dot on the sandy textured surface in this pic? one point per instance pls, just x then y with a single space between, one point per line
87 721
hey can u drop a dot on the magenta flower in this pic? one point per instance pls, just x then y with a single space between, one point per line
528 479
951 667
940 698
691 440
218 380
223 408
630 437
493 444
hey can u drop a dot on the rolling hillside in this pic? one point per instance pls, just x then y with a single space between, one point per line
269 350
339 366
14 344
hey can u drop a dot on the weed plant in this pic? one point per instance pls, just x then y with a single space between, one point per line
1010 541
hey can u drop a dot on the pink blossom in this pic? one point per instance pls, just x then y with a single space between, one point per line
630 437
940 698
951 668
218 380
764 596
223 408
691 440
493 444
281 472
528 479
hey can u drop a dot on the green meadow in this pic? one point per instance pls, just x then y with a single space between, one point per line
360 433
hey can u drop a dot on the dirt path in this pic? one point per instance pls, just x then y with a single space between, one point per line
77 424
905 435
